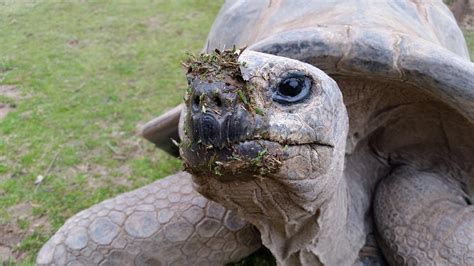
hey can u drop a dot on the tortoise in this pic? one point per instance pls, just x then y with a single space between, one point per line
341 135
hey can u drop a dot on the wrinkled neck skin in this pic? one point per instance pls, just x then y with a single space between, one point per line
325 237
324 228
304 212
320 239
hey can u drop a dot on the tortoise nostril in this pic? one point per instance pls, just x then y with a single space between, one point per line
217 101
196 102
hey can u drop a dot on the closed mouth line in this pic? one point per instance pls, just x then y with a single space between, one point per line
285 143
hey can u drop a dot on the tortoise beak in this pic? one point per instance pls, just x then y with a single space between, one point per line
216 118
225 137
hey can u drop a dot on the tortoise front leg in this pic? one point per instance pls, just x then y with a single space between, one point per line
424 218
166 222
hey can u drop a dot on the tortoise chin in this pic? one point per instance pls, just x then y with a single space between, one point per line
243 161
236 170
244 175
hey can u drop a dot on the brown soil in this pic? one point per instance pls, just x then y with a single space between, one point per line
11 92
8 242
5 109
468 19
11 235
463 11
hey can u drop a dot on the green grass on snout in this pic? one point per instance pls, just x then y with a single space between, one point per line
88 73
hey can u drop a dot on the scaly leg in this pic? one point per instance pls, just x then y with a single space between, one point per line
424 218
166 222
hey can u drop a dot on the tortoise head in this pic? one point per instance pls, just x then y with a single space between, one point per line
263 134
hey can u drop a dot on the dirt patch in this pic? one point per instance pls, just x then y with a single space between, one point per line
463 12
5 109
9 240
11 234
5 253
21 211
10 91
468 20
72 42
155 22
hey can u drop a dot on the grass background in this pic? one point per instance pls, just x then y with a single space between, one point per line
469 36
87 74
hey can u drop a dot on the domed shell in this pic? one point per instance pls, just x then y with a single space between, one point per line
393 61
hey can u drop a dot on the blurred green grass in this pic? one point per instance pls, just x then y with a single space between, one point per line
469 35
89 73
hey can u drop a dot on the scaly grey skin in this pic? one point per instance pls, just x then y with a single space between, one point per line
312 208
164 223
406 117
408 87
289 207
438 225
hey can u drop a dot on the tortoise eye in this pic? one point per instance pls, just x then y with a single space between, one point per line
292 89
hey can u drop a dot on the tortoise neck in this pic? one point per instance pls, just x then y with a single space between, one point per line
325 237
321 230
337 243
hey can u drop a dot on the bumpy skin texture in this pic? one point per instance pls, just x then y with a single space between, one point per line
164 223
424 219
288 206
409 102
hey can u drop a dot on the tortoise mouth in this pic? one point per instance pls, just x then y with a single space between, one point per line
243 161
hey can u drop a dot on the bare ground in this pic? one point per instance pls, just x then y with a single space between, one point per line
10 92
8 242
468 20
463 12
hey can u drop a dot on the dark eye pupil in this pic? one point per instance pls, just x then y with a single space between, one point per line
291 87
